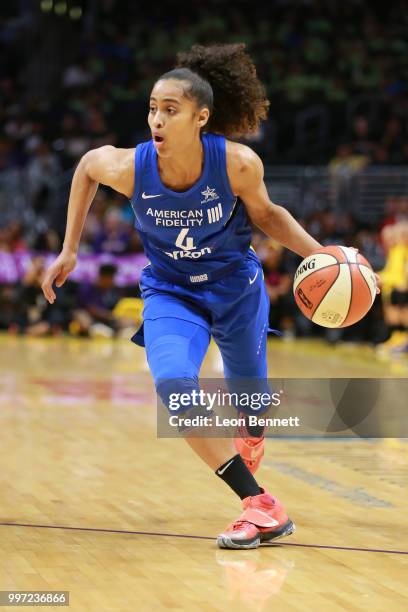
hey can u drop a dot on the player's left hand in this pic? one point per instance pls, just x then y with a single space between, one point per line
58 273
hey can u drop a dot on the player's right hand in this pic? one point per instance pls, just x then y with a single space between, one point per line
58 273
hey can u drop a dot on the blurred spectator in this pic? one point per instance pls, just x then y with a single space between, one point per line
390 212
7 308
347 161
8 153
343 169
367 242
330 227
97 128
72 142
94 220
362 145
42 174
380 155
114 236
12 238
393 141
96 303
32 314
278 283
46 239
394 278
77 75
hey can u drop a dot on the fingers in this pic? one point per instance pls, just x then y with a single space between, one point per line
61 278
46 286
48 291
57 273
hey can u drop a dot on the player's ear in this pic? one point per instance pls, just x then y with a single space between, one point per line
203 116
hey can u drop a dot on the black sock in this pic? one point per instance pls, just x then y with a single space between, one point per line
236 474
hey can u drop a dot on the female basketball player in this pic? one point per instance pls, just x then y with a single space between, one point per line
194 194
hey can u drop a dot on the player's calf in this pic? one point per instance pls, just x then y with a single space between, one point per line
251 445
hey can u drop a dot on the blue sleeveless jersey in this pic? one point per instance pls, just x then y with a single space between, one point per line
195 236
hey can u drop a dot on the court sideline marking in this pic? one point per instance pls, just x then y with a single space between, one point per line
197 537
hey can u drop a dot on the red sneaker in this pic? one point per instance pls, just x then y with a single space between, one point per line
263 519
251 450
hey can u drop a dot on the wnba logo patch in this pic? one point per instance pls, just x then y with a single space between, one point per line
209 195
215 213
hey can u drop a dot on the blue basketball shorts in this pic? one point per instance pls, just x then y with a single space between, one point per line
179 321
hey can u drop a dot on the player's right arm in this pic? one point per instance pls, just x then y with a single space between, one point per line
108 166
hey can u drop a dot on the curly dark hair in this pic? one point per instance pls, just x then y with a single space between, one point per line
223 78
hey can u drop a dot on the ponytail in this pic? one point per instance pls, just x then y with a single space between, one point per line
223 78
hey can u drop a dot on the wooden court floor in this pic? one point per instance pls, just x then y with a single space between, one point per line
94 504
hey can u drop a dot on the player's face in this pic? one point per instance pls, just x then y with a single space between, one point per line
175 121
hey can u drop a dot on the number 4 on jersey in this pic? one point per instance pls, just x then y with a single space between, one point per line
189 242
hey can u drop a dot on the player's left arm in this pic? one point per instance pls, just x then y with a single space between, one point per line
246 174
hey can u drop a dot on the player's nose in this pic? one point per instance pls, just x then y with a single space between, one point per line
158 120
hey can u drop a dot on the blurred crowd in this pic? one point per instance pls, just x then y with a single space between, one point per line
87 85
92 80
364 147
105 309
394 278
98 309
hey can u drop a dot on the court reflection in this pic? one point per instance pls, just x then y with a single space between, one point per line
253 581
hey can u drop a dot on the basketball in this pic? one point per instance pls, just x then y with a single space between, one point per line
335 286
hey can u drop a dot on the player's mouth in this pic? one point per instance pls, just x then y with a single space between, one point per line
158 141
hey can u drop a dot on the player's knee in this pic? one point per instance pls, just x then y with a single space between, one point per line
174 371
178 394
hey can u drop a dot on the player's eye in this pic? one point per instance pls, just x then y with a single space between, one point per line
172 111
152 109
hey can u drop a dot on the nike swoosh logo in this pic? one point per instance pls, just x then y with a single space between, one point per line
220 472
147 197
252 280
